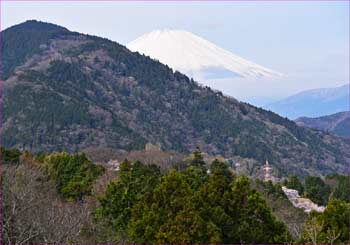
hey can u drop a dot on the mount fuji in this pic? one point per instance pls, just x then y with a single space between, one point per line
197 57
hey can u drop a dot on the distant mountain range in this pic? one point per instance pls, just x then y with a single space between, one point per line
338 123
313 103
68 91
197 57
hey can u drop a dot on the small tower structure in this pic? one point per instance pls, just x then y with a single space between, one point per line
267 170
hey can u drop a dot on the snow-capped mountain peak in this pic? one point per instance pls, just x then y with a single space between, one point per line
195 56
313 103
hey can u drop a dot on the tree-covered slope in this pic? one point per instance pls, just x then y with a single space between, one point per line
22 41
72 91
338 123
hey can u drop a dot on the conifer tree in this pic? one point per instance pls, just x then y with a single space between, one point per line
197 159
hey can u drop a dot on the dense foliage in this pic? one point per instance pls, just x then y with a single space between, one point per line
133 181
196 204
271 189
331 226
317 190
9 155
189 206
73 174
341 189
294 183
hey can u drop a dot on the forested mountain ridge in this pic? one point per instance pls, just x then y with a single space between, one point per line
69 91
338 123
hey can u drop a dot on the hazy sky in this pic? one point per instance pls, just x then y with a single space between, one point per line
307 41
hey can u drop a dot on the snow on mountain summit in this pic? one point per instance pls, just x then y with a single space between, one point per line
197 57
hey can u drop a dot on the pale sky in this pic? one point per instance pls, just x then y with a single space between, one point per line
307 41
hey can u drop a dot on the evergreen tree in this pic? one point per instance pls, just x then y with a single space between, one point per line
134 180
317 190
197 158
9 155
195 176
341 191
215 200
254 217
74 174
218 167
294 183
159 209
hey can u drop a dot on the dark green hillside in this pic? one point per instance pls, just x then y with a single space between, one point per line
79 91
21 41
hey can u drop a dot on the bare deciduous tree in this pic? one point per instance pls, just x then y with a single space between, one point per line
313 227
296 230
332 235
33 212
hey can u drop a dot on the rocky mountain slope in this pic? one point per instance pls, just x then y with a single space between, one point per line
68 91
338 123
